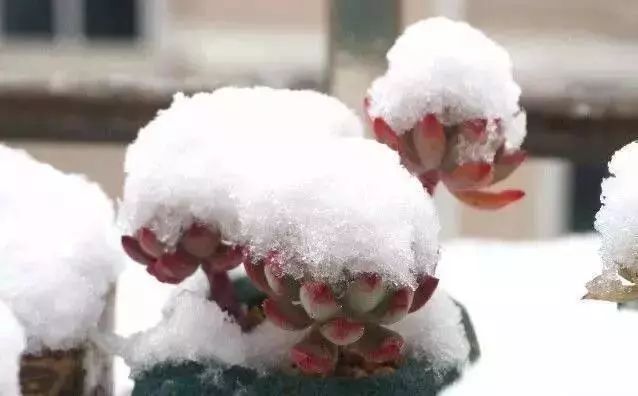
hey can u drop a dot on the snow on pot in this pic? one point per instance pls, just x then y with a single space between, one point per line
58 262
448 104
333 229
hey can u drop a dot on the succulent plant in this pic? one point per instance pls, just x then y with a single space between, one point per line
199 245
343 317
435 152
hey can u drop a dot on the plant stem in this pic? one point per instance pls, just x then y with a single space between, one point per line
223 293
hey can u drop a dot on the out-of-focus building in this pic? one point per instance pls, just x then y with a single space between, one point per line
66 66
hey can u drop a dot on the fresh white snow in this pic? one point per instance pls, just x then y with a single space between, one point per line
58 251
537 336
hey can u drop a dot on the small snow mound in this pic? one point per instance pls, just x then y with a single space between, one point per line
195 329
12 343
438 66
58 253
436 332
617 219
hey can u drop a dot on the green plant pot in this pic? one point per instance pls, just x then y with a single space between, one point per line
414 377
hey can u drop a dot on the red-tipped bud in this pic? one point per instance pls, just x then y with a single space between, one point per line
133 249
285 315
423 293
365 292
342 331
149 242
161 273
201 241
384 133
429 180
378 345
278 281
395 307
175 266
255 272
318 300
469 176
226 258
505 164
475 130
429 142
489 200
315 355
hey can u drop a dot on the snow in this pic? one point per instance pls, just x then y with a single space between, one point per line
58 251
324 203
438 66
12 343
617 219
536 335
436 333
191 329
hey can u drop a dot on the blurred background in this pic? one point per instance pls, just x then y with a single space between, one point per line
79 77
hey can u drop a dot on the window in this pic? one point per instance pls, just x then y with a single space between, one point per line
90 19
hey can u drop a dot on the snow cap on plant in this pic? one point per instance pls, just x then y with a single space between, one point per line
59 254
617 223
448 104
190 171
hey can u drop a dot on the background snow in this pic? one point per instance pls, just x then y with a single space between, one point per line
58 250
12 343
537 337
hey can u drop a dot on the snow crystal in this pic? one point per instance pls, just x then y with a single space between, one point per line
195 329
438 66
12 343
58 250
617 219
329 203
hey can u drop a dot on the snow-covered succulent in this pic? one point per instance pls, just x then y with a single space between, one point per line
449 105
350 313
617 223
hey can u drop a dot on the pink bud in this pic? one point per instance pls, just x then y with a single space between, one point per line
133 249
384 133
365 292
475 129
318 300
469 176
342 331
395 307
285 315
429 142
226 258
255 272
314 355
178 265
378 345
201 241
423 293
149 242
279 282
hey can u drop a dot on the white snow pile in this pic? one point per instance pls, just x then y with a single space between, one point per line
58 251
537 336
617 219
192 327
12 343
329 203
438 66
